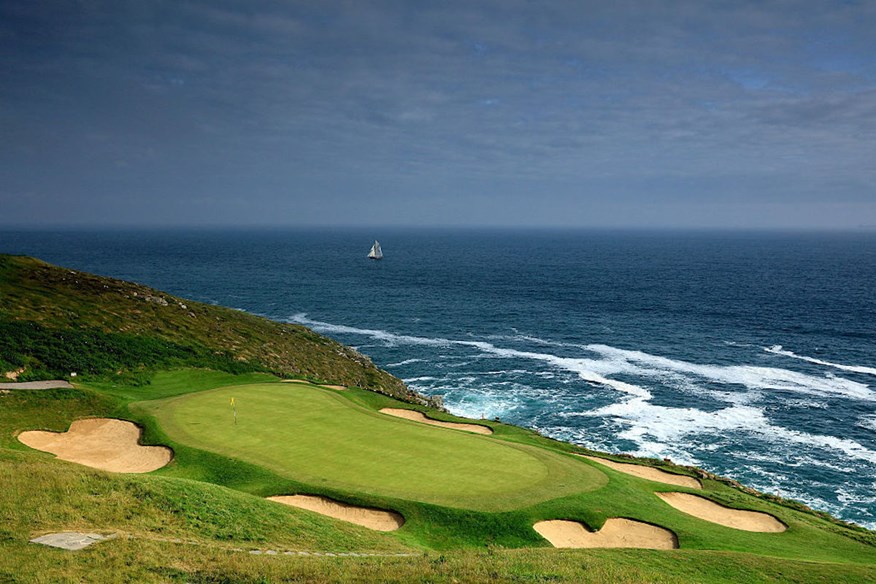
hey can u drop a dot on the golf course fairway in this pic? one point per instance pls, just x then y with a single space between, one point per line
318 437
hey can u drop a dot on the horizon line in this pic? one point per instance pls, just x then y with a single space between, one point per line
435 227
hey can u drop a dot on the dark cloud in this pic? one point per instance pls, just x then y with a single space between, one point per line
492 112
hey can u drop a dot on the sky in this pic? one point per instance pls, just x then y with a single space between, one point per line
630 113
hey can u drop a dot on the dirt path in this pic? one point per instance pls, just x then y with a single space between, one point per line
36 385
89 538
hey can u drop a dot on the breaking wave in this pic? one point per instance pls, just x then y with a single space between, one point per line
614 361
403 363
779 350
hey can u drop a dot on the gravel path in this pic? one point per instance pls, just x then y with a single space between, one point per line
73 540
35 385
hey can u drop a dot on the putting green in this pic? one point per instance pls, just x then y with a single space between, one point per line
319 437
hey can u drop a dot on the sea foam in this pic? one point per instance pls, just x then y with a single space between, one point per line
616 361
779 350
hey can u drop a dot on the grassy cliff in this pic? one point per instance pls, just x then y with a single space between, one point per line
55 321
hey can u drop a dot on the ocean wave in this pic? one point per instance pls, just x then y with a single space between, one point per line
386 337
779 350
589 370
477 405
749 376
868 422
615 361
521 337
402 363
655 428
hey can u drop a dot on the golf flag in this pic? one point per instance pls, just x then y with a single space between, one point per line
234 409
232 402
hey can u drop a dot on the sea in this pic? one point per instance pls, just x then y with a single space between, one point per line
750 354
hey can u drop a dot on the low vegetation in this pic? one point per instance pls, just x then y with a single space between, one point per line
57 321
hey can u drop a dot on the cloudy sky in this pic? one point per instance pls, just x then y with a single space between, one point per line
639 113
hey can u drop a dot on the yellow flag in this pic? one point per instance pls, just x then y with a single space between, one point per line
232 402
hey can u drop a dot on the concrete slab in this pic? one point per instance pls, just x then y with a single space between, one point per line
38 385
69 540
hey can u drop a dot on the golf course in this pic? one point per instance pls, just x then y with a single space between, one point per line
316 436
186 464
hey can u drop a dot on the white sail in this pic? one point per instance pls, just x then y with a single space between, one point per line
376 253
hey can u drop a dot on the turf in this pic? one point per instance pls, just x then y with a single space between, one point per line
315 436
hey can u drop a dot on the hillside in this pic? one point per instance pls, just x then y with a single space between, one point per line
55 321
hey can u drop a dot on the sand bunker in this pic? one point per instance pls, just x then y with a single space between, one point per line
419 417
305 382
711 511
101 443
650 473
616 533
370 518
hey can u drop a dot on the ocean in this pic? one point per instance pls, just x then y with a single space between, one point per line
752 355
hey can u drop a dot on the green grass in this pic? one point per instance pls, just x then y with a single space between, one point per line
164 384
44 495
316 436
191 500
149 562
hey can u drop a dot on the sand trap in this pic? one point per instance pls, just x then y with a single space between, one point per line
370 518
711 511
305 382
616 533
419 417
32 385
101 443
650 473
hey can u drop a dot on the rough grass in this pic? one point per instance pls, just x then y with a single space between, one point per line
154 561
127 330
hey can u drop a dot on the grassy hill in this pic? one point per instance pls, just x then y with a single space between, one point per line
55 321
469 501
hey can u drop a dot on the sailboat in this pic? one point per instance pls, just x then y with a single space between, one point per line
376 253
